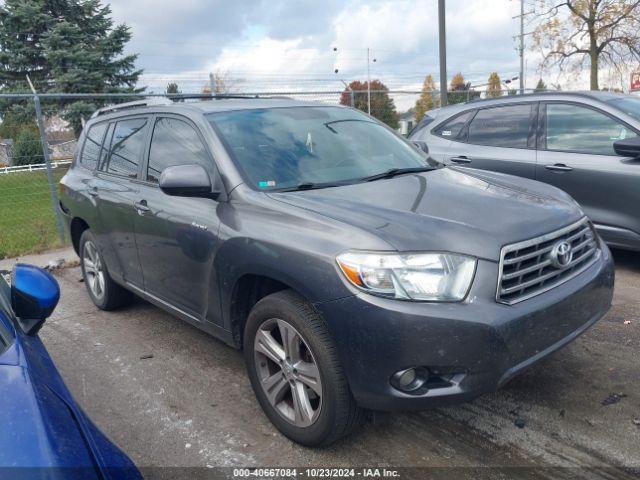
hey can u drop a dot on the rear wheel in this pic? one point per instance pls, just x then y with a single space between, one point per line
104 292
295 372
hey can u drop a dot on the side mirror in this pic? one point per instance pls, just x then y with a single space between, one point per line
629 147
34 296
421 145
187 181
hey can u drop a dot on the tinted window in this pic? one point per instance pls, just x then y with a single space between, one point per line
285 147
174 142
453 129
573 128
506 126
126 147
93 145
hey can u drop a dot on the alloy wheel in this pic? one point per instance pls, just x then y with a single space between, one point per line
94 273
288 372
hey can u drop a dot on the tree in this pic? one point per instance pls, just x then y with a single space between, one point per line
222 83
604 32
460 91
382 106
425 102
27 149
494 85
172 88
65 46
541 86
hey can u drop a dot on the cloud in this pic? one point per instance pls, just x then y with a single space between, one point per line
289 44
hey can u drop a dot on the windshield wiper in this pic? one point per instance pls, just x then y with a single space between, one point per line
307 186
395 171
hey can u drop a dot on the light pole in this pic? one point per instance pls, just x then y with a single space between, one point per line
442 48
369 80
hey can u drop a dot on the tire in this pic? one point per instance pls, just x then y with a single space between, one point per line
327 411
108 295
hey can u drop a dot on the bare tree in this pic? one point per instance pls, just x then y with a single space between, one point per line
221 82
604 32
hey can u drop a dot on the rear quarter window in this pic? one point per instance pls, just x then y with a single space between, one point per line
92 146
454 129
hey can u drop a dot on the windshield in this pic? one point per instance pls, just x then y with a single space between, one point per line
629 105
280 148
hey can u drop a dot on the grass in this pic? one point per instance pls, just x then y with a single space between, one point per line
27 222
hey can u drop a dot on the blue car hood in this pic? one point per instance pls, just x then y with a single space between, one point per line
43 433
31 415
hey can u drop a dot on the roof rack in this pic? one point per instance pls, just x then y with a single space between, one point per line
145 102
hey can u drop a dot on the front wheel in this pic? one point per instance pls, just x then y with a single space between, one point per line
295 373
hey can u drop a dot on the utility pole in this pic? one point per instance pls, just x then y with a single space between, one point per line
368 84
442 47
521 47
521 44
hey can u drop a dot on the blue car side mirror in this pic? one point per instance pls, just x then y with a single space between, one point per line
34 296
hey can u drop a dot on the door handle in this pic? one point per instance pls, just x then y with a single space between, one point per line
93 191
141 207
558 167
460 159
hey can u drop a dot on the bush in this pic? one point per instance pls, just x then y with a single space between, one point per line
27 149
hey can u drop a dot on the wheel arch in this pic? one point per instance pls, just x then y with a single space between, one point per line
248 290
76 229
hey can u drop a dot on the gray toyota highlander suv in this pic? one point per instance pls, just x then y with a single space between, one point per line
355 272
586 143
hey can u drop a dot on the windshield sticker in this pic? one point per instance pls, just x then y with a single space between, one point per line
446 133
266 183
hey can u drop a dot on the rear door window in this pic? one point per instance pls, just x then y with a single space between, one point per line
454 129
573 128
93 145
174 142
504 126
127 147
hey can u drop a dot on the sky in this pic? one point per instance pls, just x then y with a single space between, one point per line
278 45
293 45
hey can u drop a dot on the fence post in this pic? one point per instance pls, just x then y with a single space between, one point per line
47 161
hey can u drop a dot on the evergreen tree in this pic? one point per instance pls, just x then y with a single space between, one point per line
494 87
65 46
27 149
382 106
541 86
425 102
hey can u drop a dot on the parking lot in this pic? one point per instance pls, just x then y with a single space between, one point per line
170 395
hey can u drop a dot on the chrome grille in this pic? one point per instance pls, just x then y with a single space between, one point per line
529 268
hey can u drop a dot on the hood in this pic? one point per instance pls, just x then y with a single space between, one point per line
472 212
38 428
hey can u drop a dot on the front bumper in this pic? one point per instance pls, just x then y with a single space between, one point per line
487 342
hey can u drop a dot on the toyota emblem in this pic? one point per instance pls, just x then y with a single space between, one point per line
561 255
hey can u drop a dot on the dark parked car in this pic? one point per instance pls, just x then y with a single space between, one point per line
354 272
585 143
44 433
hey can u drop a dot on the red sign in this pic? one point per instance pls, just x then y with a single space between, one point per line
635 81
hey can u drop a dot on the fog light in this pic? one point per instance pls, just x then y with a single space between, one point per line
407 380
407 377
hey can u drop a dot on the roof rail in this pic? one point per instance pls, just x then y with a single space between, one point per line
145 102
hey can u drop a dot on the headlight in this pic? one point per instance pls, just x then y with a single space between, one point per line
436 277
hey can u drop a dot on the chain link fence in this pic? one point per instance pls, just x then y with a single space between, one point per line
29 173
